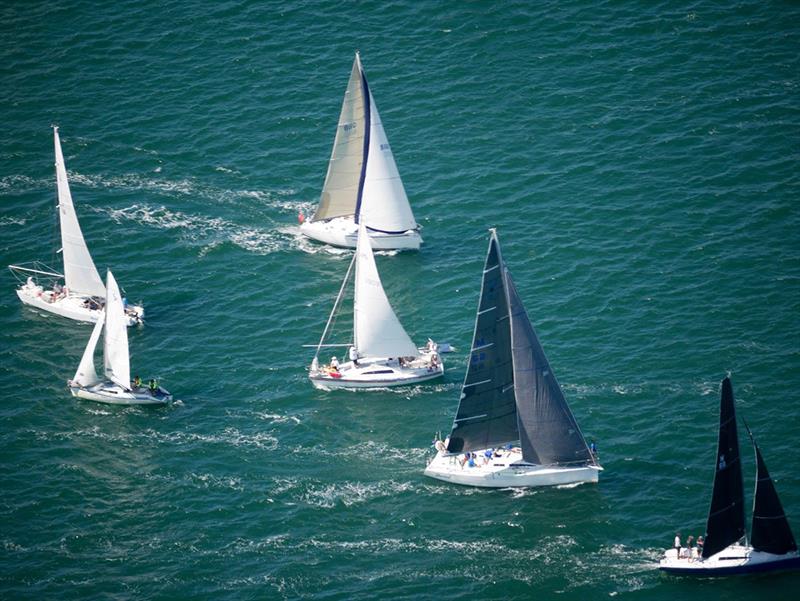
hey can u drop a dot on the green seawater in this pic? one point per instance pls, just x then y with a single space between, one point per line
640 161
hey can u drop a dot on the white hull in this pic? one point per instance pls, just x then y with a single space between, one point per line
736 559
71 306
343 232
112 394
509 470
377 373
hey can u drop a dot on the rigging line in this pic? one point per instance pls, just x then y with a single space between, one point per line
331 317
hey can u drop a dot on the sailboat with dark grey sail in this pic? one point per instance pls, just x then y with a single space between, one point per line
513 426
726 550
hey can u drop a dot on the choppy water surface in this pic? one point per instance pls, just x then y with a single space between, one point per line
640 164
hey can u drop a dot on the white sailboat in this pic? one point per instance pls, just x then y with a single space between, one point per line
116 388
726 550
362 179
382 354
513 426
82 294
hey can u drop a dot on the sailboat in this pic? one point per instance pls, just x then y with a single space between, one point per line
726 550
362 178
82 295
382 354
116 388
513 426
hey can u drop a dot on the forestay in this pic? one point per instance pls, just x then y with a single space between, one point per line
117 360
377 331
80 273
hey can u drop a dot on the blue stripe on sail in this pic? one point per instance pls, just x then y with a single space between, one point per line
367 119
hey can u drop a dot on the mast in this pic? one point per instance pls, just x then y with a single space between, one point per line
770 531
365 156
725 524
487 414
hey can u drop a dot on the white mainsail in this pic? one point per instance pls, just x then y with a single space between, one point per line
115 351
351 186
80 274
87 374
384 204
377 331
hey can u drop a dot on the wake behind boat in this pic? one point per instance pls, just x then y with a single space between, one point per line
513 426
82 295
362 178
726 550
382 353
117 387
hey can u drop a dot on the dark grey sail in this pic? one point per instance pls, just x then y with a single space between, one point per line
725 523
487 414
548 431
770 531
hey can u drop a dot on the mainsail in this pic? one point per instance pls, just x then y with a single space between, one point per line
376 330
549 433
770 531
487 414
726 515
362 172
115 351
87 374
80 274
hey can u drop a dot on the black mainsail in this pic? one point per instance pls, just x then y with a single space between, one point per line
510 392
548 431
487 414
770 531
725 523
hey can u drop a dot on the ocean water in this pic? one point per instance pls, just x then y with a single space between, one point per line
640 161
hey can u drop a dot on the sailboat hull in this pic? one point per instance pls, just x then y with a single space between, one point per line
112 394
506 471
71 307
378 373
734 560
343 232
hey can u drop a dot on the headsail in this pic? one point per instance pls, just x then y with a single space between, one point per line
487 414
726 515
770 530
87 374
344 179
80 274
115 351
377 331
548 431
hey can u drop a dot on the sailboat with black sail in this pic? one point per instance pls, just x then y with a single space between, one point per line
726 550
513 426
362 184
